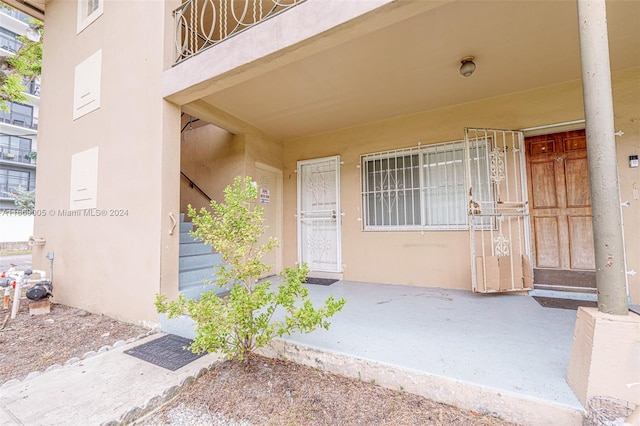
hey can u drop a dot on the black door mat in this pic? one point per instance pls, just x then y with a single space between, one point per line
168 351
319 281
552 302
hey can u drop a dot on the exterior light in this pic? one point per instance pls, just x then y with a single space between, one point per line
468 66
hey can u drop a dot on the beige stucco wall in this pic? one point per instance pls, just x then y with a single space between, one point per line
441 258
111 264
115 265
212 157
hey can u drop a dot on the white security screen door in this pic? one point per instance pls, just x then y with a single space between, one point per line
498 211
319 214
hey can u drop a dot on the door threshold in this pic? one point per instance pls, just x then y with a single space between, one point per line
327 275
565 288
564 294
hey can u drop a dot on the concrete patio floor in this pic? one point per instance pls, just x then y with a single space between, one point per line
492 353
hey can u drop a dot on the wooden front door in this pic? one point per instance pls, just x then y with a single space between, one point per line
560 207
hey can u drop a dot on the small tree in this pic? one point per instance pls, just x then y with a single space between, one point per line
242 321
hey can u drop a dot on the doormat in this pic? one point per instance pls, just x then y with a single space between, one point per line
166 352
320 281
552 302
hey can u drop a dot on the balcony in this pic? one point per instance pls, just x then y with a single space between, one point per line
24 156
16 149
9 43
201 24
16 14
19 119
32 87
12 180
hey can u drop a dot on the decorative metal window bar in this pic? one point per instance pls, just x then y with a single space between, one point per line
419 188
200 24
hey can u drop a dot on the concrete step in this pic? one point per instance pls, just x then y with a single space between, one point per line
186 238
192 262
564 295
195 292
186 226
198 264
194 248
182 326
196 277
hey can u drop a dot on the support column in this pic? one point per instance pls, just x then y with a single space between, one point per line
601 149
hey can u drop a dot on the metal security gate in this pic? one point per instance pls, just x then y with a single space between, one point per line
499 225
319 214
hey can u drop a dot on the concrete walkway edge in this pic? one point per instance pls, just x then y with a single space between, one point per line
108 388
526 411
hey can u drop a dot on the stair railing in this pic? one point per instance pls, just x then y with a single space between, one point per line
195 186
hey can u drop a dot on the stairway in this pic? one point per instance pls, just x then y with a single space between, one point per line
197 263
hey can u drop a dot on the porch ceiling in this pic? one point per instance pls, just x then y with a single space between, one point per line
412 66
33 8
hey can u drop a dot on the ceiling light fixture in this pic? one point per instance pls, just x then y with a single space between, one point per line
468 66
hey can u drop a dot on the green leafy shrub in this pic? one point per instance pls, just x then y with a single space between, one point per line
243 321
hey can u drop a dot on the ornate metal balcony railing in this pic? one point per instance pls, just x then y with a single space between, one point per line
201 24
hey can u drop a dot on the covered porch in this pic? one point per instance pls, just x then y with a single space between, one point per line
350 81
340 82
502 354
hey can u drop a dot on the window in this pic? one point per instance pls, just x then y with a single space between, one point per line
9 40
15 148
12 179
422 188
392 190
18 115
88 11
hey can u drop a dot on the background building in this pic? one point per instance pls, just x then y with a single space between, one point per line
18 135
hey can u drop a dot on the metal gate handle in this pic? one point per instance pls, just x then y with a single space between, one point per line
333 214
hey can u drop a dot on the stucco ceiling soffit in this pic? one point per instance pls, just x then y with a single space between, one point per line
220 118
280 41
33 8
412 66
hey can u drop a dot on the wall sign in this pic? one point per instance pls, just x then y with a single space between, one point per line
265 196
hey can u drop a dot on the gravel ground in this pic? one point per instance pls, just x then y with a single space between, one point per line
265 391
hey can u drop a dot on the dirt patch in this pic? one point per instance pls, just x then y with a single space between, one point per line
33 343
264 391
